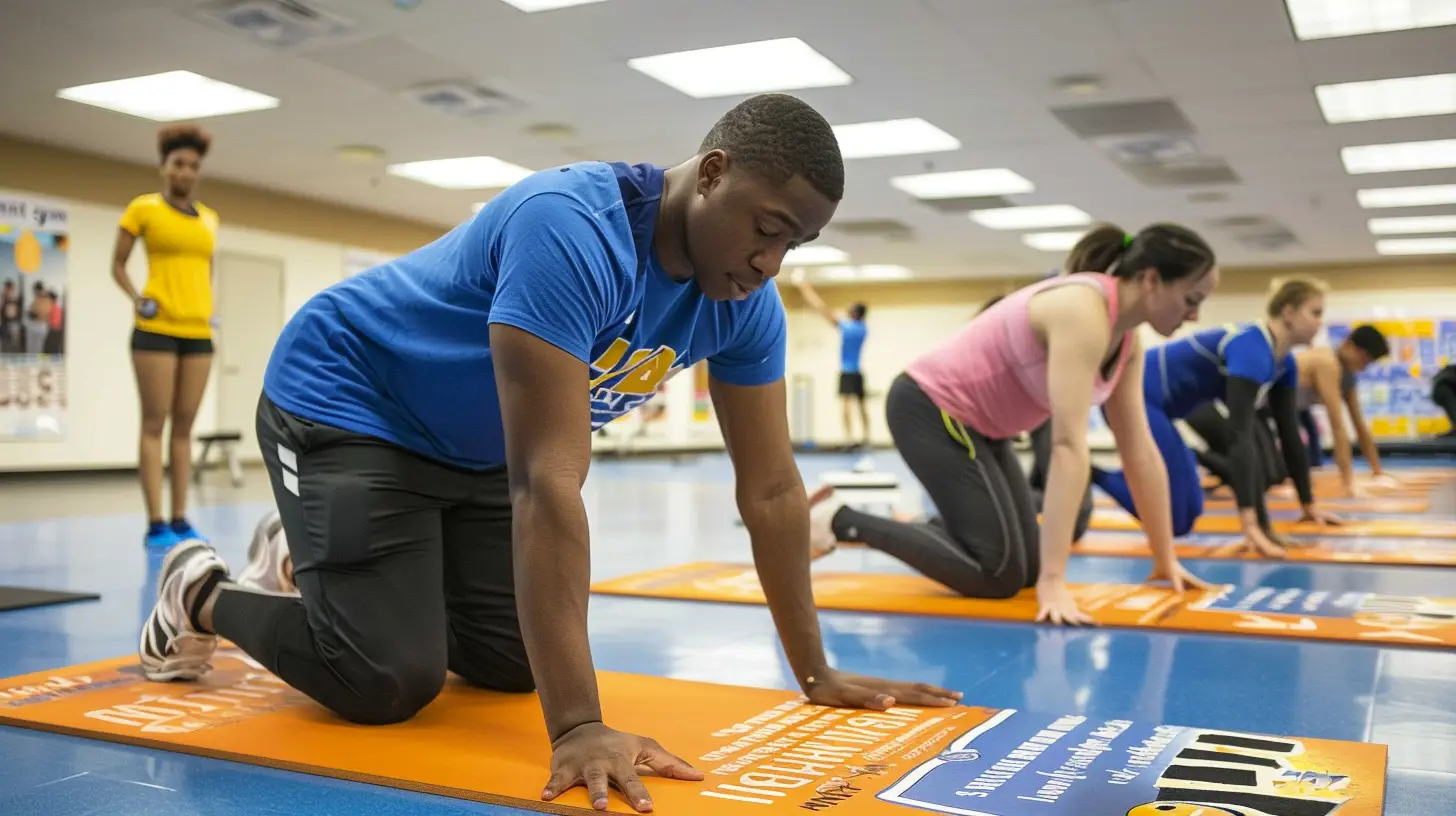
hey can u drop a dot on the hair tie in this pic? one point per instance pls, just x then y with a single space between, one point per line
1127 239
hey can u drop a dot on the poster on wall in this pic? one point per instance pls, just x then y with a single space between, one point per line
34 244
1395 394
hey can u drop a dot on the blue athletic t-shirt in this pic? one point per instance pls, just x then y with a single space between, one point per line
1188 372
851 342
402 352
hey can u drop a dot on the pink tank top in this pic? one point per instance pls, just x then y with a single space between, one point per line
992 375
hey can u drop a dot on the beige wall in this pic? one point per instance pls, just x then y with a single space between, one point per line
313 239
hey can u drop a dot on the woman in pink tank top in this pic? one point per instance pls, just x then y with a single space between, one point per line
1046 354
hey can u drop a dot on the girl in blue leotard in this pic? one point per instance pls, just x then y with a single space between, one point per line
1237 364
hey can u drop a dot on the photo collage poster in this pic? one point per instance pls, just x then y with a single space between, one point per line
34 300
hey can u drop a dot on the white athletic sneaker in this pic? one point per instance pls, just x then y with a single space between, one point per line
821 527
269 568
171 649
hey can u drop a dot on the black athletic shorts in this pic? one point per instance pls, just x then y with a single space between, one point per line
180 346
851 384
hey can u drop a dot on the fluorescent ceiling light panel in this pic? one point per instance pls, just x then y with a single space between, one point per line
1322 19
1428 196
1052 241
1041 216
547 5
1413 225
169 97
1399 157
1401 98
750 68
1416 246
893 137
963 184
814 255
469 173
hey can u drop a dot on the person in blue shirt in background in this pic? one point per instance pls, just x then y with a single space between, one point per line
427 430
1238 364
852 333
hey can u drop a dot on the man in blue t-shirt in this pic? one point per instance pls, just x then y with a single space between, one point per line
427 429
852 333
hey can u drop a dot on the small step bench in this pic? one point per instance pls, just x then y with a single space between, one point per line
226 442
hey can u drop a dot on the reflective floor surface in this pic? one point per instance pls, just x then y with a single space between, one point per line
648 514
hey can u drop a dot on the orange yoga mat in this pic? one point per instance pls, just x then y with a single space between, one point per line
1310 550
764 752
1374 504
1358 617
1366 528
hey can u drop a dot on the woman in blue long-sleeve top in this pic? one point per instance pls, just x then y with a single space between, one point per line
1236 364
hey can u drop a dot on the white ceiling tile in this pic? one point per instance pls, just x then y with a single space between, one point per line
981 70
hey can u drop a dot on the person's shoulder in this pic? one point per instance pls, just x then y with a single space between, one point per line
146 200
593 185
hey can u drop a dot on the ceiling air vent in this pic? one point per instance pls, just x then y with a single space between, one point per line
460 99
277 23
1257 232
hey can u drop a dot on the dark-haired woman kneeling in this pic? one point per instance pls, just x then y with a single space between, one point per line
1051 350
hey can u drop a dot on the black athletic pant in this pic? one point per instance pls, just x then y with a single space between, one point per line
986 541
1214 429
1041 457
404 567
1443 393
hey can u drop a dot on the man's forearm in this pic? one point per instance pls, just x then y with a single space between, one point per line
553 582
778 527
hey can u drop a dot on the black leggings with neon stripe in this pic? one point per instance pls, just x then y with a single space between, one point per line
985 542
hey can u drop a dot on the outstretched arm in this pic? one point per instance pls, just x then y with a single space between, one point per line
1368 449
1073 319
1326 378
815 302
749 396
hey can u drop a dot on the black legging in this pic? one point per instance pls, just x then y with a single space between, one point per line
1041 463
1443 393
986 542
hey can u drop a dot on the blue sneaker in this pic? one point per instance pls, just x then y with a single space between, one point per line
184 530
160 537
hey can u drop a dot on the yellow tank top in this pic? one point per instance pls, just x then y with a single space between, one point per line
179 264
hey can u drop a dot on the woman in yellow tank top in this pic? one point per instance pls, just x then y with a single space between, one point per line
171 346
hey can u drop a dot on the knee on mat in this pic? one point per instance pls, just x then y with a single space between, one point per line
393 695
507 671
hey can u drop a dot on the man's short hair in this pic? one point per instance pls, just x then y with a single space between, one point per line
1368 339
778 136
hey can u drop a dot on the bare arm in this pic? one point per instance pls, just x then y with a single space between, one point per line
119 256
1326 379
1142 462
1073 319
816 303
775 511
546 414
1366 439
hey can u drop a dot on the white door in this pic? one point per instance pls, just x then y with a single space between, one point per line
250 310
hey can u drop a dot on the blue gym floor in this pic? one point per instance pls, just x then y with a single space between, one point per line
648 514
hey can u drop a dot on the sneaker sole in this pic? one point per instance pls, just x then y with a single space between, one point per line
167 670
